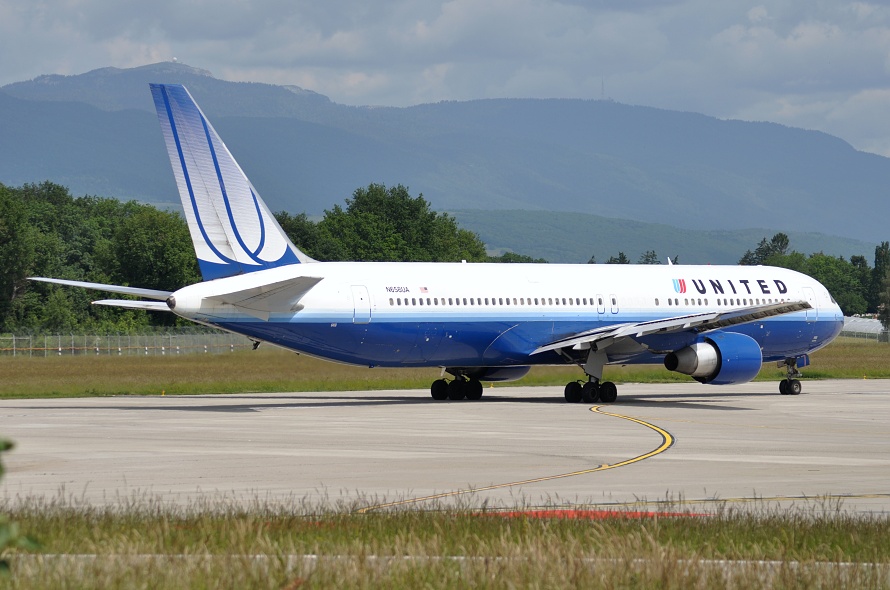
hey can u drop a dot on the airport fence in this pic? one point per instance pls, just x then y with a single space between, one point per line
169 342
865 328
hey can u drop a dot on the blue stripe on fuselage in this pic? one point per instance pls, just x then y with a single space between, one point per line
498 343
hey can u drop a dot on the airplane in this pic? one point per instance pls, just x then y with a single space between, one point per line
476 321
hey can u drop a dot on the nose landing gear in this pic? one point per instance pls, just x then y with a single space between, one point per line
791 385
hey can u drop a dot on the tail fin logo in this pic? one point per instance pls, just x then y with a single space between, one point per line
232 229
680 285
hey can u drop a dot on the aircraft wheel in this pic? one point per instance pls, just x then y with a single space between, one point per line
474 389
608 392
590 392
783 386
573 392
794 387
439 389
457 390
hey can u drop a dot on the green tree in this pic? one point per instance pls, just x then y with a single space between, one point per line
620 259
310 237
153 249
884 303
389 224
513 257
17 250
88 238
776 246
879 273
649 257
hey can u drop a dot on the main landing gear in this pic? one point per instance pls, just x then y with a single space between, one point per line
790 385
591 392
457 389
595 390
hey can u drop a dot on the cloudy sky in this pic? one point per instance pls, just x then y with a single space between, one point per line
817 64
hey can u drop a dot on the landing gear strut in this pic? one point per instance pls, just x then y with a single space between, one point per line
595 389
790 385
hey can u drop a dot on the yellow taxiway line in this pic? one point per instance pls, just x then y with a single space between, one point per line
667 439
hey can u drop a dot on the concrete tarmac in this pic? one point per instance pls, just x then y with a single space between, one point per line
685 442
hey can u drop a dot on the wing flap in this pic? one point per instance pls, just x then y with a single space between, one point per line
701 322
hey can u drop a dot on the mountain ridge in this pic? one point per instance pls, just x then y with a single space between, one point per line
97 134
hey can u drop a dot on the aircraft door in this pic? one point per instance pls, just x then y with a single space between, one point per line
810 296
613 300
362 305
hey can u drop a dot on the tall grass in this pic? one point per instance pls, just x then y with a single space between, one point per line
270 369
217 545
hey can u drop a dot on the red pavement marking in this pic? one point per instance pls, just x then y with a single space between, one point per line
589 514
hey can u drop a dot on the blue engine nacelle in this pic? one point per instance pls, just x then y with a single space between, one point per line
495 373
723 358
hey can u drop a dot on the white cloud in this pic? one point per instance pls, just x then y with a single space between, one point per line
815 63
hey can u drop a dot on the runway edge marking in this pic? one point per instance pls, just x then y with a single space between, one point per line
667 440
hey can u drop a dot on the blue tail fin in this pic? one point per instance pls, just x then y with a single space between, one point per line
232 229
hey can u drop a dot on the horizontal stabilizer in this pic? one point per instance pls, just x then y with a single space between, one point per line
147 305
698 323
259 302
135 291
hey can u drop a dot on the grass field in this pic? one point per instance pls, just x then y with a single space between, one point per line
144 543
220 546
270 369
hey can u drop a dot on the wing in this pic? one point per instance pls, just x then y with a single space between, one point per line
600 338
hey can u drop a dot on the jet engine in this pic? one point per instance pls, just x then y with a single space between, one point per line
721 359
